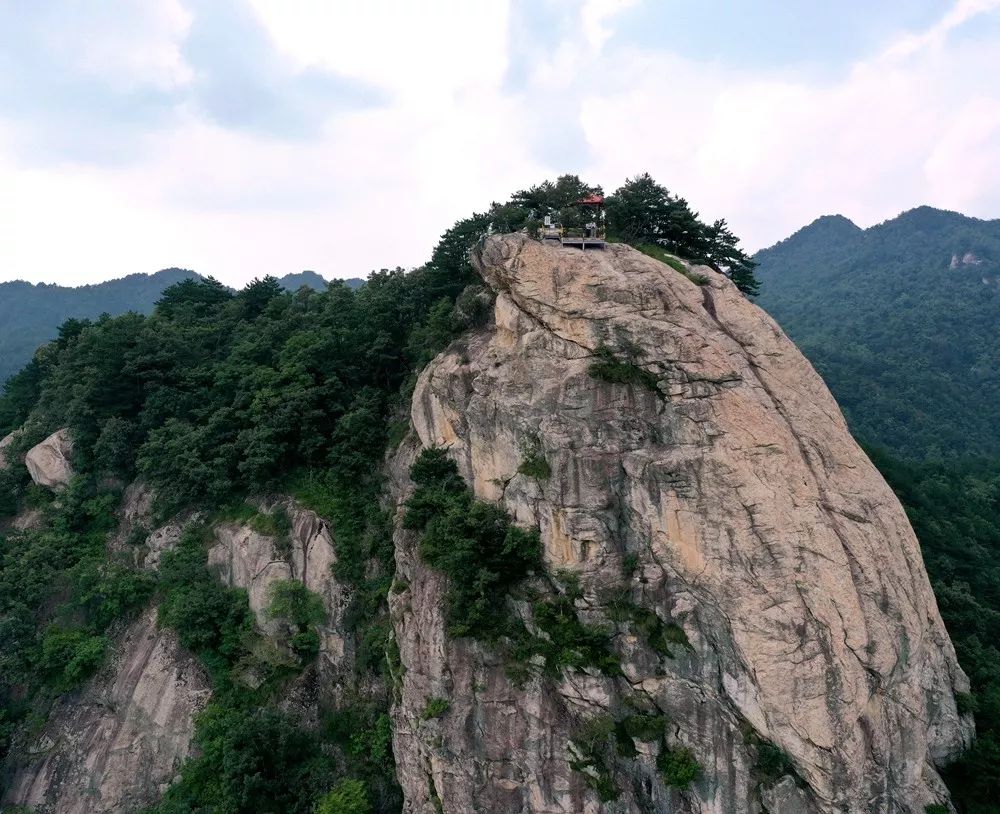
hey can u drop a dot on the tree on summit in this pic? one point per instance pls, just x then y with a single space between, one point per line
643 211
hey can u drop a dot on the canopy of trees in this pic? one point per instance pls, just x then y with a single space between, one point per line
908 344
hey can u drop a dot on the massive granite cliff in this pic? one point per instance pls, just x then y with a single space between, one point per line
716 486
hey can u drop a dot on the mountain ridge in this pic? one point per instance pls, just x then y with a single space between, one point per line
899 318
30 313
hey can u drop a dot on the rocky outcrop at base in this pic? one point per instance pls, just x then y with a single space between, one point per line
50 462
708 481
116 745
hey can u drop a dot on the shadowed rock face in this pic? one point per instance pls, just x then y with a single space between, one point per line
116 745
731 501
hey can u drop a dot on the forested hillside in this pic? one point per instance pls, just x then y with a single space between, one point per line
214 397
901 320
30 314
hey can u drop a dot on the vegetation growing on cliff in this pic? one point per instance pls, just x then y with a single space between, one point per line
60 594
218 394
474 543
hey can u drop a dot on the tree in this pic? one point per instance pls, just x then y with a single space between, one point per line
347 797
643 211
197 294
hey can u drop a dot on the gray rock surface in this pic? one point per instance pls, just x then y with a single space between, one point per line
116 745
245 558
5 442
733 503
50 462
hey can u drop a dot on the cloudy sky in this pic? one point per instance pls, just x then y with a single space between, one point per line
246 137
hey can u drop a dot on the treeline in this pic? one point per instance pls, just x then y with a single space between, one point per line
641 212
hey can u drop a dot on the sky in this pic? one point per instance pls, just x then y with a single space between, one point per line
240 138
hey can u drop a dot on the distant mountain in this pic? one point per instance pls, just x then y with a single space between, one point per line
30 313
902 321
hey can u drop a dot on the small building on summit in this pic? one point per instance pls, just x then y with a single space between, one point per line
581 224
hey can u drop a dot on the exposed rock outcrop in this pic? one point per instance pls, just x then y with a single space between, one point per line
50 462
245 558
117 744
5 442
730 500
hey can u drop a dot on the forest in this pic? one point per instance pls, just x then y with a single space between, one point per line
217 395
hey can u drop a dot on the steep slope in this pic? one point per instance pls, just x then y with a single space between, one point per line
117 744
702 490
900 320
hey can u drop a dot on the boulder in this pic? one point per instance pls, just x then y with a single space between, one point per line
50 462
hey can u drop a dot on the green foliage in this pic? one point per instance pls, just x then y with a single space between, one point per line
907 344
30 315
68 657
566 642
474 543
210 619
678 767
593 745
644 726
436 707
610 368
937 808
250 761
293 602
347 797
658 253
534 465
772 761
642 212
955 510
59 594
666 638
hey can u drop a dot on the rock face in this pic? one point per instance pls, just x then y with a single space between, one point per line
5 442
245 558
49 463
119 743
730 501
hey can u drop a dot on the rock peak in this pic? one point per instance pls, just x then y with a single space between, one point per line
712 486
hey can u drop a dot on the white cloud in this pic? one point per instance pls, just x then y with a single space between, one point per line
918 122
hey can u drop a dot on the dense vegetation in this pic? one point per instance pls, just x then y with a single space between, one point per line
641 212
955 511
31 314
217 395
908 344
214 396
